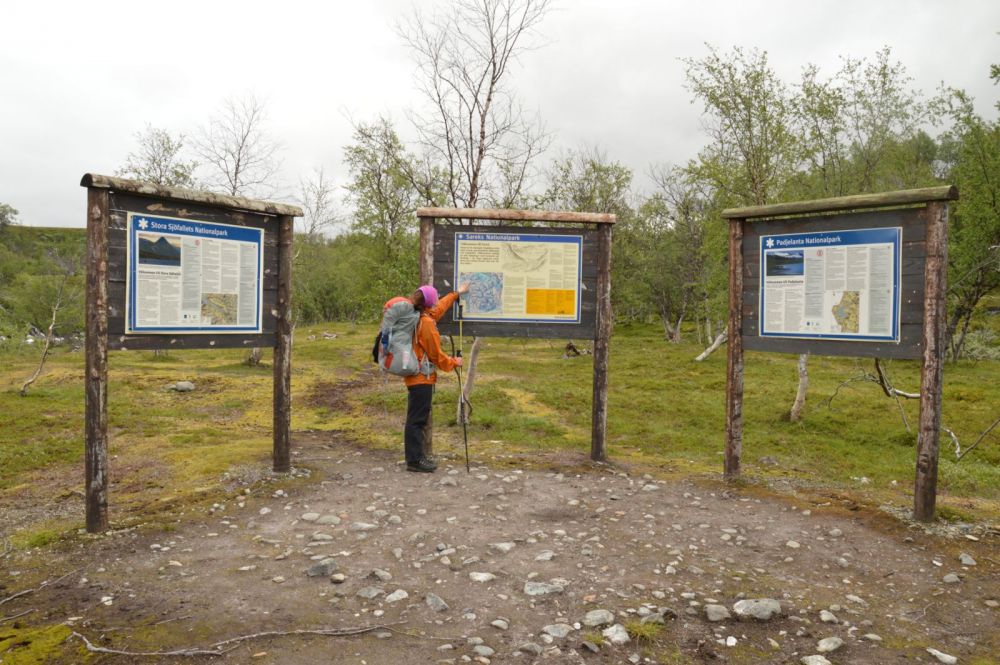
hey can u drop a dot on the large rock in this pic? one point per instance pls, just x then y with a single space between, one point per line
814 660
596 618
829 644
616 634
435 602
942 657
324 568
370 592
396 596
542 588
716 613
558 630
757 609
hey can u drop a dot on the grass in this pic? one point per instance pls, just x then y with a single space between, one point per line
643 632
666 413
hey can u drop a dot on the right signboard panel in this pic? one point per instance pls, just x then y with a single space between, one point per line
836 284
841 285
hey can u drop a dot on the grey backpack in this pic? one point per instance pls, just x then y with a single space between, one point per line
396 341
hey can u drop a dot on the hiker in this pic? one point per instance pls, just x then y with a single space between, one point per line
420 386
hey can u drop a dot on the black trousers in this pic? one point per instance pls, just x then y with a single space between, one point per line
418 410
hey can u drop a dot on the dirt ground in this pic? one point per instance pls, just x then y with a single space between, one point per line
599 537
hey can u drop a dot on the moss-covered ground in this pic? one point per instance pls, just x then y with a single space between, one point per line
665 411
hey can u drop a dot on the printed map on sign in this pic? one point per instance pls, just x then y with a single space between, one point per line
520 277
485 292
831 284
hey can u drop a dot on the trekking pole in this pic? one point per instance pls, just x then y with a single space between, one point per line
461 391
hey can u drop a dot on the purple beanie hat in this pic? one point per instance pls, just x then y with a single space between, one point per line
430 295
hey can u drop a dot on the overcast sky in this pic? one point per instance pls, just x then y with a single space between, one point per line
79 79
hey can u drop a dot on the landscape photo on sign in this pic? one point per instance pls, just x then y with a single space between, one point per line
159 250
790 262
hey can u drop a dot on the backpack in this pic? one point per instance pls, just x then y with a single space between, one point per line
394 349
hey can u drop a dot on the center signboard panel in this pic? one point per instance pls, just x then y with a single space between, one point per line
193 277
838 285
520 277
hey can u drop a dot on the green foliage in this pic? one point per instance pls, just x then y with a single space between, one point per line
586 181
349 277
753 150
384 188
159 159
39 266
972 146
8 216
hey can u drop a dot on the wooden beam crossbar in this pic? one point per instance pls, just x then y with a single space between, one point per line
501 215
96 181
843 203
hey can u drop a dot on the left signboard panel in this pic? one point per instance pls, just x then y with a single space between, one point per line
192 276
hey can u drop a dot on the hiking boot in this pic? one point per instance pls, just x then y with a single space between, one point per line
422 466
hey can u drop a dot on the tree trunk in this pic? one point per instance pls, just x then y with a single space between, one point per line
719 341
470 376
668 330
795 415
48 338
45 354
253 359
676 337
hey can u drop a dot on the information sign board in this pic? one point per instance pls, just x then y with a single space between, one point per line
842 285
520 277
192 276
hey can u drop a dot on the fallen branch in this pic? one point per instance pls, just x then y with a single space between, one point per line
15 616
41 586
93 648
719 341
978 441
887 387
219 648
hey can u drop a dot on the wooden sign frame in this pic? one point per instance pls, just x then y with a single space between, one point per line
109 202
437 245
922 214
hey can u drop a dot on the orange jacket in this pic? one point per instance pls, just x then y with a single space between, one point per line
429 342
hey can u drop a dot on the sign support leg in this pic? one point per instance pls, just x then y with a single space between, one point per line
602 339
734 354
283 349
929 434
96 370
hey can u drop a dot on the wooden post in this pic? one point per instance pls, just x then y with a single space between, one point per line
96 363
602 339
734 353
283 349
928 436
427 277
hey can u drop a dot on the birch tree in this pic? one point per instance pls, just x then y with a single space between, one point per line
473 125
240 156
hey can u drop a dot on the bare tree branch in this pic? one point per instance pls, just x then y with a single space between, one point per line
41 586
241 156
220 648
